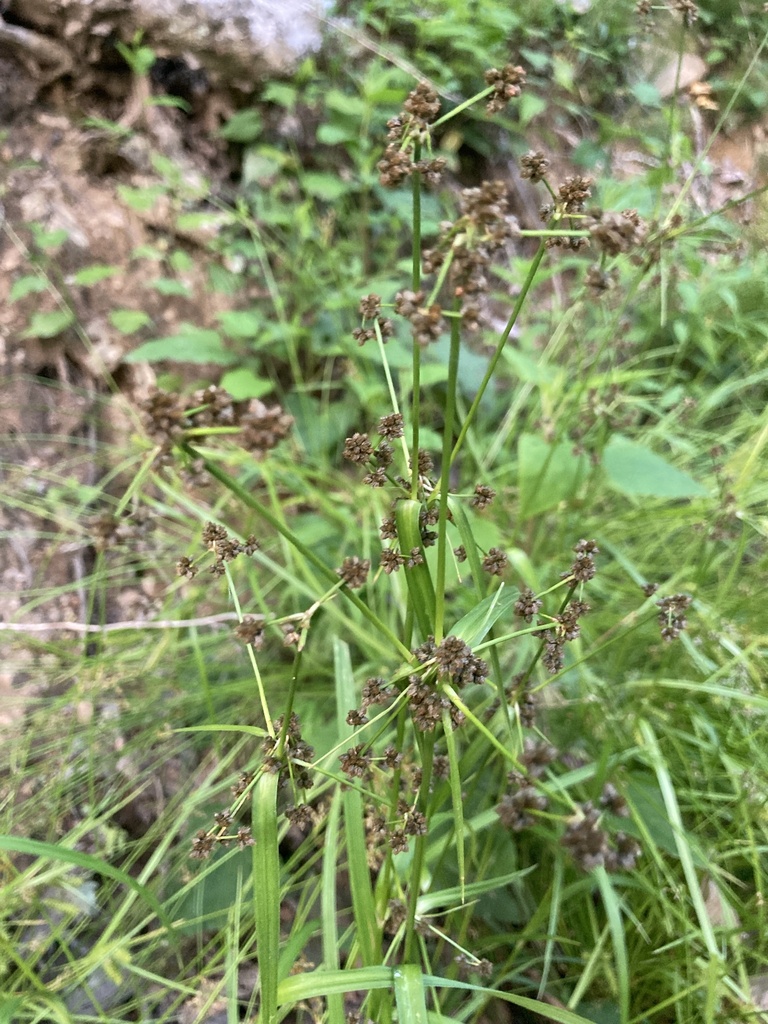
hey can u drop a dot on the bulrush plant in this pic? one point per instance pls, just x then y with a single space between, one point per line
446 851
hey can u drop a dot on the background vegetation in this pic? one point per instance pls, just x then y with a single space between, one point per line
561 811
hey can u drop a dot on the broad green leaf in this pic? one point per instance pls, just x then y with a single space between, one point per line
141 199
243 383
409 994
333 134
127 321
239 323
27 285
48 325
635 470
530 106
547 474
191 345
49 239
473 627
328 187
170 286
244 126
92 275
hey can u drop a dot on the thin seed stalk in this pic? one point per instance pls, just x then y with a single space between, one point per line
496 355
427 747
415 284
442 519
249 501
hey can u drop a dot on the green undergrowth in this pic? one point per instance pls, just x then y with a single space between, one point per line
456 696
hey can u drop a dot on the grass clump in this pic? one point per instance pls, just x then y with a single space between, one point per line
492 556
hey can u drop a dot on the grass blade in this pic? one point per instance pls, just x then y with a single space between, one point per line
266 892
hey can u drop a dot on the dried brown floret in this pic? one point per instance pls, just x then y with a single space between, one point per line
506 85
514 809
615 233
370 306
388 529
482 497
423 102
573 191
495 562
202 845
527 605
391 426
354 571
672 617
534 165
356 762
251 631
537 756
391 560
376 478
612 799
358 448
415 557
185 567
585 840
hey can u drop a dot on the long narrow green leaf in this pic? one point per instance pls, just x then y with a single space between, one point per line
363 904
458 804
461 521
266 892
16 844
329 908
473 627
324 983
409 994
448 898
613 913
683 849
418 577
367 979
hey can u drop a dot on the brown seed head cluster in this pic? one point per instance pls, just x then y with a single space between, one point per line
251 631
130 529
583 568
370 307
295 749
615 233
168 417
506 83
527 605
672 615
495 562
224 547
688 9
534 166
515 809
455 659
588 843
484 226
354 571
426 321
482 497
404 132
427 705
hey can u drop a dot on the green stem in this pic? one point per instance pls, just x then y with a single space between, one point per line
249 501
415 284
496 356
442 519
420 845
